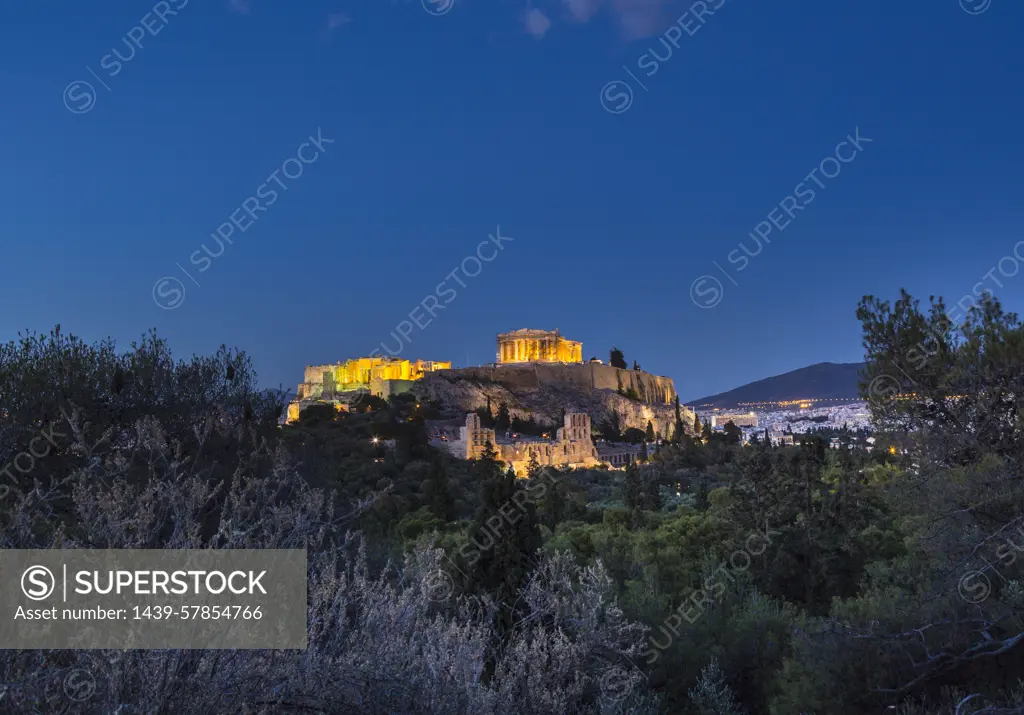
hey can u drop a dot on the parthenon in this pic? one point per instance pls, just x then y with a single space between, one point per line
528 345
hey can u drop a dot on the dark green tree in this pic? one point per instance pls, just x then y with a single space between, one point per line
437 491
733 434
633 435
503 421
617 359
649 434
611 427
678 431
503 539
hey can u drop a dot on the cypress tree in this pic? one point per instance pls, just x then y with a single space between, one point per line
438 491
504 539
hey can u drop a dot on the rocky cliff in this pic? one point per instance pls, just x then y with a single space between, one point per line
542 391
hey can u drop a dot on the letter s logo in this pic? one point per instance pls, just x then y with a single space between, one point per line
706 292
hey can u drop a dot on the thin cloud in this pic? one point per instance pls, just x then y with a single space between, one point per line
337 20
537 23
635 18
242 7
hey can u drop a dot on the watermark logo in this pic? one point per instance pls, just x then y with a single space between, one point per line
48 438
440 586
437 7
974 587
616 684
79 685
802 196
975 7
37 582
444 293
616 96
714 587
884 388
706 291
79 97
168 292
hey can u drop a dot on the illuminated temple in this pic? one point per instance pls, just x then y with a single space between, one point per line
527 345
380 376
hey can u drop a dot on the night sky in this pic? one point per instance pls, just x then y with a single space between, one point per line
440 123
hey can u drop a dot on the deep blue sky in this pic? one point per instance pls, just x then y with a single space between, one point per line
447 126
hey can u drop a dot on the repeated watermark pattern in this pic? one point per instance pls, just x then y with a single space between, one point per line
975 7
707 290
441 584
437 7
713 589
617 96
444 293
79 685
80 95
887 387
25 462
169 291
975 586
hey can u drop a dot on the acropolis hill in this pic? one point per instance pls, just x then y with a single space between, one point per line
538 374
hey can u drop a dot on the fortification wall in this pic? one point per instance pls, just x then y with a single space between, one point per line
652 389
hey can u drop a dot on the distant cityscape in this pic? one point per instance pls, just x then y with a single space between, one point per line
790 417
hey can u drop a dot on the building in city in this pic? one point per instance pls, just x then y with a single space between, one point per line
745 419
528 345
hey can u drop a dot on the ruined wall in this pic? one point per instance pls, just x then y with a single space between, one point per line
521 391
652 389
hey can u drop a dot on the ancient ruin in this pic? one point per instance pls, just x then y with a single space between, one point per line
572 446
380 376
528 345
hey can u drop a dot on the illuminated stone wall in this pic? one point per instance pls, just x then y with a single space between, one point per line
359 374
572 445
537 346
652 389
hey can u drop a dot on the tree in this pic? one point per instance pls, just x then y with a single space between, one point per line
696 425
617 359
503 548
712 695
503 421
733 434
633 435
611 427
965 379
636 366
437 492
678 431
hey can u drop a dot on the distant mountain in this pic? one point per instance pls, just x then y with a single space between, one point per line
826 380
